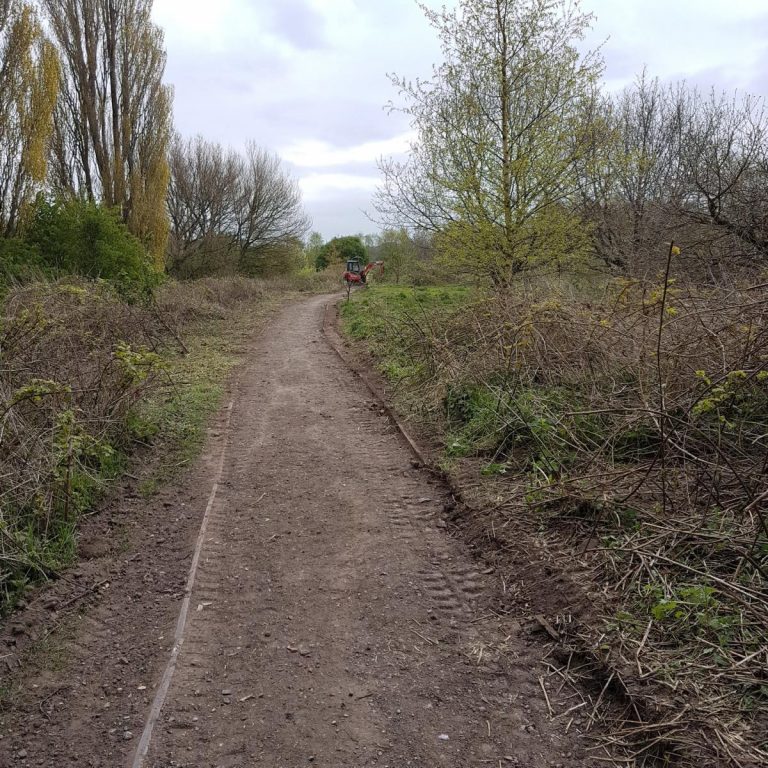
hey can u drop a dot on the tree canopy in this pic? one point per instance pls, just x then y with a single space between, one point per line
500 132
339 250
229 209
29 84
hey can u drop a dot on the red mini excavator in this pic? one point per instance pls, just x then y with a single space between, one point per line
356 274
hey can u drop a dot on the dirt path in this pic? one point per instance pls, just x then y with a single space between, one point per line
333 621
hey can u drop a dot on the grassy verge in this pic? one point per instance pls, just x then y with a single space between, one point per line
385 316
173 421
623 428
88 380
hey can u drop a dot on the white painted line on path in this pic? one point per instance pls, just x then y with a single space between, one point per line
181 624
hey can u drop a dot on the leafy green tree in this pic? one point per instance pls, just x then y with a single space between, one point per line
339 250
500 133
397 250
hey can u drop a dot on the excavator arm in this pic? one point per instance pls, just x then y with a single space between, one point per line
374 265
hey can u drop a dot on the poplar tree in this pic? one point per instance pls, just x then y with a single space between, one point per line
500 130
113 120
29 81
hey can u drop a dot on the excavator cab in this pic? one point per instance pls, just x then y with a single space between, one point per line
354 267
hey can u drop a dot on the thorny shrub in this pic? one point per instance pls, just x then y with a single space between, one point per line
637 420
74 359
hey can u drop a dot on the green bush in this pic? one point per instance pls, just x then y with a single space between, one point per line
340 249
73 237
19 262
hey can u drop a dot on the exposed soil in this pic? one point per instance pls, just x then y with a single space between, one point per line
334 620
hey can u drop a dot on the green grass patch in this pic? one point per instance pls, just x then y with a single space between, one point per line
382 316
174 420
370 312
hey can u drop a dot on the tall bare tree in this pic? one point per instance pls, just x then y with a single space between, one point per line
202 202
724 149
633 177
227 209
29 81
113 121
679 165
269 206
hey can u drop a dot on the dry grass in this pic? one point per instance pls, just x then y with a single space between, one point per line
181 302
309 281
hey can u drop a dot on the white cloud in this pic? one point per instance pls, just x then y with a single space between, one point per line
236 26
199 24
309 76
681 40
310 153
320 186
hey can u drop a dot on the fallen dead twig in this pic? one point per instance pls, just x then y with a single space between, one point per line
546 696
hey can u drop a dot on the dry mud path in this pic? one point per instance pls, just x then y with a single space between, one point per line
333 620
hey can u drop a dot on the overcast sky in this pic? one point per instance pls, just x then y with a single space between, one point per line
307 78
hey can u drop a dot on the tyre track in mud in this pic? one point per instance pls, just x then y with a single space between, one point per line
333 621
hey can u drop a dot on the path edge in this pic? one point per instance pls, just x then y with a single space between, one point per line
336 342
138 757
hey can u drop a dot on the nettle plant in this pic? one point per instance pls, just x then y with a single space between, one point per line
137 364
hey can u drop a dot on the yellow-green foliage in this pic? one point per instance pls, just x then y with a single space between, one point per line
555 236
148 184
503 126
29 86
